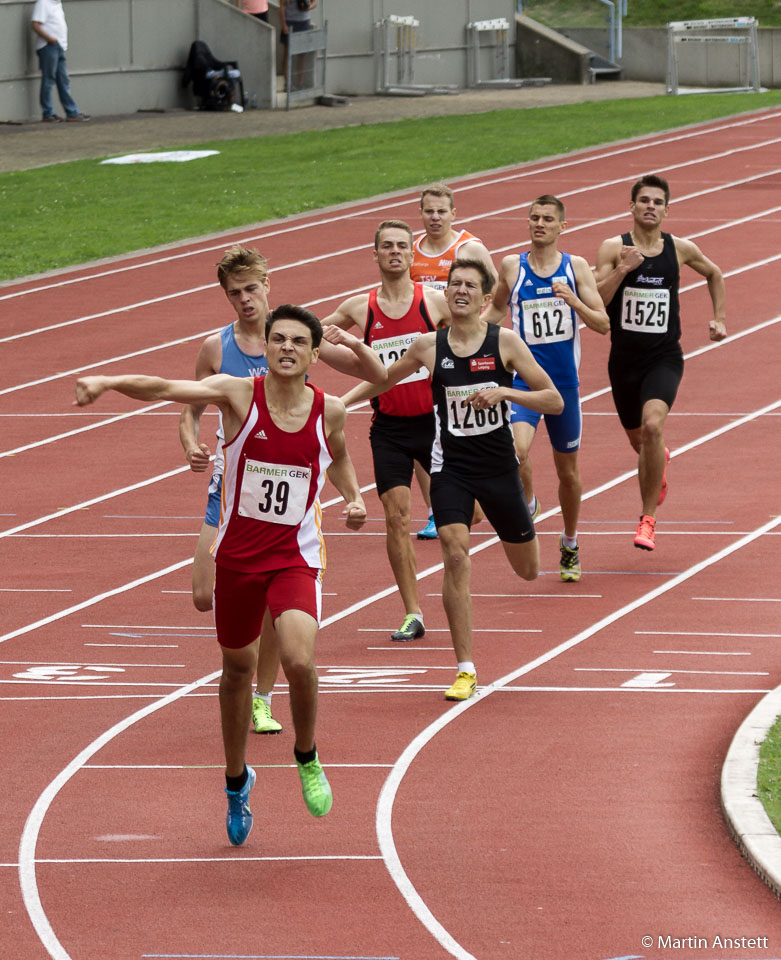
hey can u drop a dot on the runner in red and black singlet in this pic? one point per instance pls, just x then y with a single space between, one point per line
391 318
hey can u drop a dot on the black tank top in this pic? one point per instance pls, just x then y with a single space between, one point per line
644 314
476 443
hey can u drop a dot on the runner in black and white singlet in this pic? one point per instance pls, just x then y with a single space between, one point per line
472 364
638 279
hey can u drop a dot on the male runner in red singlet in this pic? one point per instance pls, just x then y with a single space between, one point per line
638 275
391 318
239 349
281 435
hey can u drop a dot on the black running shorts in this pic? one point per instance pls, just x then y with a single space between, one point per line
501 497
396 443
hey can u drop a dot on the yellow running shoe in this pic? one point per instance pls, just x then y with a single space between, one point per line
262 720
463 688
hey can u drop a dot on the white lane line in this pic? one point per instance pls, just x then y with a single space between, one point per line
740 599
384 812
403 196
700 633
706 653
726 673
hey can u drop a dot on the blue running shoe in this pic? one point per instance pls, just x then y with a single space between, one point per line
429 532
239 819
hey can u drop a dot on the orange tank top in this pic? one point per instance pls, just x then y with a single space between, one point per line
433 269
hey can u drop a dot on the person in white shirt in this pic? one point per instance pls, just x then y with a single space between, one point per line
51 42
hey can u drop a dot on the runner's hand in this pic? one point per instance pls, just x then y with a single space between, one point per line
199 457
355 515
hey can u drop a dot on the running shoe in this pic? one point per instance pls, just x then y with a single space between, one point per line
262 720
429 532
463 688
411 629
315 787
569 568
663 491
537 508
644 538
239 819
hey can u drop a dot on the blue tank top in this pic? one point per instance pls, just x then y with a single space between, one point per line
544 321
235 361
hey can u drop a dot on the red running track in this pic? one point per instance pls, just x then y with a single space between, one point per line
570 810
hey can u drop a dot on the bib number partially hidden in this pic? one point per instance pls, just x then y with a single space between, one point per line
644 310
274 492
465 421
392 349
546 321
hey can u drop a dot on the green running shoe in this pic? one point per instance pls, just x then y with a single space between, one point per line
262 720
315 787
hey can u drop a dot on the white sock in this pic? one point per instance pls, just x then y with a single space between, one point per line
467 667
266 697
569 542
417 616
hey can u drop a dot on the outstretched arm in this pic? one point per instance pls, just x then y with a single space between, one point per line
419 354
347 354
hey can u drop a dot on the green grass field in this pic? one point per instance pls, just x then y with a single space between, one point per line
769 774
650 13
76 212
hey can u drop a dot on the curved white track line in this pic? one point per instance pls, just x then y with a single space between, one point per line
29 840
384 814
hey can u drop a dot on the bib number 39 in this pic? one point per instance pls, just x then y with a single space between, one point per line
274 492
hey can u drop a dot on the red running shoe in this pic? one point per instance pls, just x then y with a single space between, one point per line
663 491
644 538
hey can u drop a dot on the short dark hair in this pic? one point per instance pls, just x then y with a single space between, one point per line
651 180
289 311
486 281
392 225
548 200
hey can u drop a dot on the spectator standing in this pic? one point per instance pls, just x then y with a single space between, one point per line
294 16
51 29
256 8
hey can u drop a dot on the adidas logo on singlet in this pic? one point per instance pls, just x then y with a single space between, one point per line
260 435
378 325
528 283
447 363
